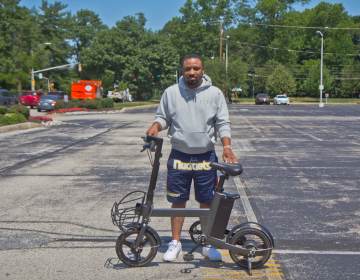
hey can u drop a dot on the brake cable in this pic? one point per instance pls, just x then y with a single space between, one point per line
150 157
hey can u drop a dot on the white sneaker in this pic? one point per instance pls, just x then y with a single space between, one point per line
173 251
211 253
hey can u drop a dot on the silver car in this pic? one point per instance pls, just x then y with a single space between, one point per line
47 102
281 99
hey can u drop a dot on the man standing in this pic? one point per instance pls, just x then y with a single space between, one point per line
195 113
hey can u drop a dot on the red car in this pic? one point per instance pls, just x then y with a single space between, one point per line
30 98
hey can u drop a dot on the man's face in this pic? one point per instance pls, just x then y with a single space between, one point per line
193 72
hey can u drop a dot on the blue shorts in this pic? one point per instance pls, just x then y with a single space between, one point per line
185 168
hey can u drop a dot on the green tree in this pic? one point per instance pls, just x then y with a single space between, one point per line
55 27
84 27
280 82
17 32
198 29
144 60
311 81
350 81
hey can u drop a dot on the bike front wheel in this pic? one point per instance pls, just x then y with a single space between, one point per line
141 255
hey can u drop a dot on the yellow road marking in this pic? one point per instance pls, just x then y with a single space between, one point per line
271 270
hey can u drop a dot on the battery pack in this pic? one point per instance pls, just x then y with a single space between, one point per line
220 211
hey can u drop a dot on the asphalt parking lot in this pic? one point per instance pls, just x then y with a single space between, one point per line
301 180
302 171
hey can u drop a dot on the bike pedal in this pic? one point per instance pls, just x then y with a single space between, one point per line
188 257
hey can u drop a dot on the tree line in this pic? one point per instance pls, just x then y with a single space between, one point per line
258 46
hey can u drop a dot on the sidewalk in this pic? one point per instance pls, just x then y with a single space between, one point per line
19 126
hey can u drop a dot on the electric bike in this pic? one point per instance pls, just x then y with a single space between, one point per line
250 244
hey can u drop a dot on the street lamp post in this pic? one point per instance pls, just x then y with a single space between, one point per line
321 86
32 69
226 65
251 73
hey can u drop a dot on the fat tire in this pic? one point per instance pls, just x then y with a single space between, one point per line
148 236
250 225
239 238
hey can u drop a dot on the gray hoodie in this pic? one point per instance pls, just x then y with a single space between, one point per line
194 117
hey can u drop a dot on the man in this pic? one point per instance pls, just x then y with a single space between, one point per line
194 112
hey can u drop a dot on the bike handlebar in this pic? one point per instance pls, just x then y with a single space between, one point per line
151 142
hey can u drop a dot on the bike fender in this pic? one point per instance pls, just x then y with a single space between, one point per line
154 233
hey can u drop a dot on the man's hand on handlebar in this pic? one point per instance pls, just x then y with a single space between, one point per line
154 129
229 156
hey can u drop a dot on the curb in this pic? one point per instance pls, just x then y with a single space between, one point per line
123 110
139 107
19 126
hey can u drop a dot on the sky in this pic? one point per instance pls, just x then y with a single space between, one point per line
157 12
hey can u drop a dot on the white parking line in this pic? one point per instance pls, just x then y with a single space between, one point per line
250 214
301 132
251 125
312 252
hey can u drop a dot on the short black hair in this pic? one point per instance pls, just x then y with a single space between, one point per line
189 56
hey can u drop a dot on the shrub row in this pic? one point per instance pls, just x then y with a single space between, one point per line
14 114
101 103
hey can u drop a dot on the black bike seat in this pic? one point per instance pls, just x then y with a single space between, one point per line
231 195
231 169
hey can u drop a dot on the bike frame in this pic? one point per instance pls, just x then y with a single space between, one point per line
213 220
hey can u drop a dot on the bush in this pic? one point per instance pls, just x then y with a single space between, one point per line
3 110
92 104
60 104
12 118
86 103
23 110
107 103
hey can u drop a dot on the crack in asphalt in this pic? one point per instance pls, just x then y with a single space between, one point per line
23 163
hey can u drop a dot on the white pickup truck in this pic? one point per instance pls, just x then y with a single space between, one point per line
120 96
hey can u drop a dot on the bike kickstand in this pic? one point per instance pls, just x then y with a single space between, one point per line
249 266
189 256
250 258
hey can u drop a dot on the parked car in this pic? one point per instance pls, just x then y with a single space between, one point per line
281 99
262 98
59 93
7 98
30 98
48 102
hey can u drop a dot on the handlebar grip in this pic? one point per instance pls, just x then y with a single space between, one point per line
151 142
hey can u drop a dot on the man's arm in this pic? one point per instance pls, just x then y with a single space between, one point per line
222 125
162 119
228 154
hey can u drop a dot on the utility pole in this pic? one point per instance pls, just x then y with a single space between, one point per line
221 40
32 79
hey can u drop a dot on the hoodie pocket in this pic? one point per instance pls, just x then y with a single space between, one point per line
192 139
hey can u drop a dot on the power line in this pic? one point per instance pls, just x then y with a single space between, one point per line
290 50
300 27
337 78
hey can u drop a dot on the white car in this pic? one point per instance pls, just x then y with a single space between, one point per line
281 99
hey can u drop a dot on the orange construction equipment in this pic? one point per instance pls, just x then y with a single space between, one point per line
86 89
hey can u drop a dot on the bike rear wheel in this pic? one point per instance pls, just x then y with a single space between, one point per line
251 238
